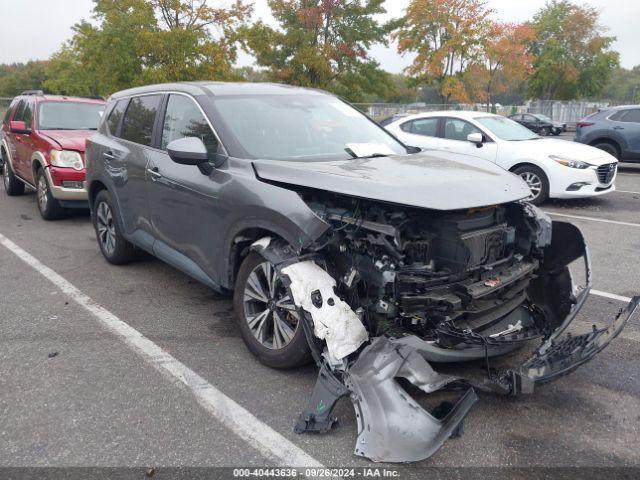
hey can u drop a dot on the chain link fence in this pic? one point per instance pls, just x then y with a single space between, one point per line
569 112
380 111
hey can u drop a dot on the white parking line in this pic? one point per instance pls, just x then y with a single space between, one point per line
593 219
260 436
611 296
627 191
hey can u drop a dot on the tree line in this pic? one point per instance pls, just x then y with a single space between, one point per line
460 53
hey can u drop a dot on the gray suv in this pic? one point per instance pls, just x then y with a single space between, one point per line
615 130
342 245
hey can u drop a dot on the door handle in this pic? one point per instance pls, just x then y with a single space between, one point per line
154 172
108 155
618 128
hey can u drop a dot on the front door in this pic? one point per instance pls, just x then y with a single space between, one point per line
455 132
183 201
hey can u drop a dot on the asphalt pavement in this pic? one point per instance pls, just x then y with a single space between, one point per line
129 366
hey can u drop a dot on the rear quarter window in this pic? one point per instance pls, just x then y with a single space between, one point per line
116 114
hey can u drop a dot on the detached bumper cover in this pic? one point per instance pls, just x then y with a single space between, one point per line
392 426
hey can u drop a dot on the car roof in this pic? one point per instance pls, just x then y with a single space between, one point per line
463 114
45 97
220 89
622 107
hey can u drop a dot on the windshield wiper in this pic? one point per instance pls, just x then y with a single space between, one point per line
373 155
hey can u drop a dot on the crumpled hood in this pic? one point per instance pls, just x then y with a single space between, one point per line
434 180
69 139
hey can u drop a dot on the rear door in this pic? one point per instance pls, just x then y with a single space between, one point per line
421 132
23 142
183 201
629 127
126 160
454 139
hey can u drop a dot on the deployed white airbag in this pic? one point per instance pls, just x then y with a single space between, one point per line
333 319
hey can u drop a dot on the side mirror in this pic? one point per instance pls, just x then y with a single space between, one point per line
475 138
412 149
191 151
17 126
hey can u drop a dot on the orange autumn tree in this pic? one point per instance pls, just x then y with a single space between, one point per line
503 60
446 36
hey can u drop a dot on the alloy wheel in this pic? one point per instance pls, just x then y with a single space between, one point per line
42 189
534 182
268 309
106 228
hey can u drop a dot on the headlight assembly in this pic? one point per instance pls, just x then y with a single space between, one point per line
66 158
569 162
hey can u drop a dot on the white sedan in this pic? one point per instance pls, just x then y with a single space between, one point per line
552 168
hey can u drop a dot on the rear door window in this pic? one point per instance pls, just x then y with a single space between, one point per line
427 127
632 116
137 125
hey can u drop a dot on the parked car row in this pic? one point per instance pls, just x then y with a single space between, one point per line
552 168
340 242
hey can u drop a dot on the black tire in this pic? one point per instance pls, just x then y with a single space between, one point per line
49 207
114 247
526 172
545 131
12 185
293 354
610 148
557 131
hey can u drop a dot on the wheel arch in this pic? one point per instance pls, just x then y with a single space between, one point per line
239 248
93 190
611 141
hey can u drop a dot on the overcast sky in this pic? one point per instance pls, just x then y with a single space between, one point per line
34 29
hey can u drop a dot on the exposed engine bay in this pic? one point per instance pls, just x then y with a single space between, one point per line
394 292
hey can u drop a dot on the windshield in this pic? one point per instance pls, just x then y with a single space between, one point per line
507 129
69 115
302 127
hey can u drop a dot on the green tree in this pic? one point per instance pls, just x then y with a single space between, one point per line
136 42
322 44
445 36
572 56
17 77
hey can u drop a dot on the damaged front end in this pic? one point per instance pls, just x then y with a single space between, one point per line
392 293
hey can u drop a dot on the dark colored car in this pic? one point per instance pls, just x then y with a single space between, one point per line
43 142
615 130
539 123
341 244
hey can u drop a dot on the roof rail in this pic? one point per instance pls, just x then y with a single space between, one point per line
32 92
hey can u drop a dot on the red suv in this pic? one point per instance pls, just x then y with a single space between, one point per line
43 142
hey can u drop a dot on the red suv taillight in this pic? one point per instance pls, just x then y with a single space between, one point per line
584 124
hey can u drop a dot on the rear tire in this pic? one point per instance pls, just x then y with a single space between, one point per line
12 185
49 207
271 333
114 247
609 148
537 181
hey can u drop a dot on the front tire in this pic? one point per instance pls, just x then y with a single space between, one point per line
48 206
268 320
544 132
537 182
114 247
12 185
